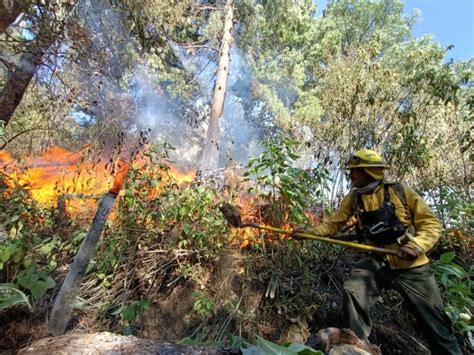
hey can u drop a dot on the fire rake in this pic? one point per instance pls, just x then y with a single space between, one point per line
232 215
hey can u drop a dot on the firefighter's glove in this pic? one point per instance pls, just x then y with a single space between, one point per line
294 233
406 252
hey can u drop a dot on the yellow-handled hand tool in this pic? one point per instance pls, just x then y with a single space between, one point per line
232 215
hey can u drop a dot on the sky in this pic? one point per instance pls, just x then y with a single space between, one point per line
451 22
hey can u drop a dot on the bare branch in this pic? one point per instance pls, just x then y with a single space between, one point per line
191 45
7 63
19 134
207 7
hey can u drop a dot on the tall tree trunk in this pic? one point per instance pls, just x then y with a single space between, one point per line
20 76
9 11
210 154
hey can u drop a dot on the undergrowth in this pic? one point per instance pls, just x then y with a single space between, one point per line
169 267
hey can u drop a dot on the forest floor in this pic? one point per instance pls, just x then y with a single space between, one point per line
170 317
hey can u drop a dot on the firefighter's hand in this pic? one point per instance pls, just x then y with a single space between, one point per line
406 252
294 233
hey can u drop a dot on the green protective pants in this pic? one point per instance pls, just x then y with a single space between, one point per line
418 288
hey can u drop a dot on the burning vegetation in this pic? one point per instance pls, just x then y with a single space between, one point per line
59 173
168 266
166 246
223 82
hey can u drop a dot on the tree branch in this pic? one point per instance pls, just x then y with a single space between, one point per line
19 134
7 63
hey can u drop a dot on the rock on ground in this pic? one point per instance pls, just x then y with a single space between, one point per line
332 341
335 341
108 343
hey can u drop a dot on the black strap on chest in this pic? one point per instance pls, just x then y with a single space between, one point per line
380 226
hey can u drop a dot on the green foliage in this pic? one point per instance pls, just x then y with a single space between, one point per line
263 347
276 25
131 312
280 183
277 36
360 21
457 286
24 245
35 282
11 296
203 304
27 253
455 210
156 201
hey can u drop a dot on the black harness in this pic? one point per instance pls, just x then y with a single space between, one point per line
381 226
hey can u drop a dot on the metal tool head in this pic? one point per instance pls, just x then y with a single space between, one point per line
231 214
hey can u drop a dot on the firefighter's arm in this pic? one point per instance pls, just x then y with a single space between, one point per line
336 222
426 225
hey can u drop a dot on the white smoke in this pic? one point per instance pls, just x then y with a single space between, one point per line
164 117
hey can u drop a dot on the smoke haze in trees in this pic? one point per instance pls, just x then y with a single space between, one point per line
122 90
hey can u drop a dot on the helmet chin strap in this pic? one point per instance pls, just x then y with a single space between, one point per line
369 187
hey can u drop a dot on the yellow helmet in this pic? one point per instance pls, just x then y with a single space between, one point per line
366 158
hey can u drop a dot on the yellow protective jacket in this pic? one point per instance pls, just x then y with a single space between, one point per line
426 225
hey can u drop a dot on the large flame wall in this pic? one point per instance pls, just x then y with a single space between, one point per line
70 175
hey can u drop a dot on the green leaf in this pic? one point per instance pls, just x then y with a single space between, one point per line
447 257
187 228
27 261
129 313
50 283
302 349
28 278
185 210
118 310
253 350
9 251
79 303
11 296
272 348
46 249
38 289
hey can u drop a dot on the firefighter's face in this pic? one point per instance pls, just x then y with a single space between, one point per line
359 177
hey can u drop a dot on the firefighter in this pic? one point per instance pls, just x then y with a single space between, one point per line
396 217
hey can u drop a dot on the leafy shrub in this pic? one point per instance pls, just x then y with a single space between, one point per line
158 213
27 251
203 304
457 288
455 211
279 182
157 202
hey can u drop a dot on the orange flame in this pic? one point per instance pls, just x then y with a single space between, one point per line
79 181
59 172
120 178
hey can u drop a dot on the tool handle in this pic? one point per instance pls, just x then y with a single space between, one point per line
326 240
71 286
